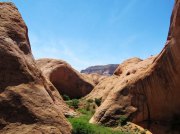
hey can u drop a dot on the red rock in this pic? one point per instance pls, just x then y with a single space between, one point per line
29 103
94 77
67 80
148 92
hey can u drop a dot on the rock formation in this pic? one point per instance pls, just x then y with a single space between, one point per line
148 92
124 73
94 77
106 70
29 103
67 80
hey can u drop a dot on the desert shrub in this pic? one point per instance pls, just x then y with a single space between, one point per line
66 97
123 120
98 101
82 127
73 103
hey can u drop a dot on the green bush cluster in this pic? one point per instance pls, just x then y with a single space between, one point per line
82 126
73 103
123 120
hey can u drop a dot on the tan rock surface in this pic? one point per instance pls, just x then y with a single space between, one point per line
94 77
124 73
67 80
28 102
149 96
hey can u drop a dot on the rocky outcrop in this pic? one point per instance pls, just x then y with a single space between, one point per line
124 73
95 78
29 103
67 80
148 93
106 70
127 67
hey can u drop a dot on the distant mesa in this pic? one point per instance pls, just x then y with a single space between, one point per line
106 70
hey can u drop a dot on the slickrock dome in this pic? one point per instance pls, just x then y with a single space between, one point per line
29 103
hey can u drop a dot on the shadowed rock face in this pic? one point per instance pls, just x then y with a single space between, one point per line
28 102
147 92
67 80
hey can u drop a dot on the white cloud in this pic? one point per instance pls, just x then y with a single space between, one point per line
120 13
61 49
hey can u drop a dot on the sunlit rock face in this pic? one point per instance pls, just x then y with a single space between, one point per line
147 92
29 103
67 80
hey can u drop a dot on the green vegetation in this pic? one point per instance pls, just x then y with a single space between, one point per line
98 101
65 97
123 120
81 125
86 110
74 103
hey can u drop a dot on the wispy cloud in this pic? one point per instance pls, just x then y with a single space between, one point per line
61 49
120 13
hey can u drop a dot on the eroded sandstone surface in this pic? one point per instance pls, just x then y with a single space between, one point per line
29 103
67 80
94 77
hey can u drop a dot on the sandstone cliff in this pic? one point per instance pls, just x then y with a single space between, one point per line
106 70
28 102
67 80
148 91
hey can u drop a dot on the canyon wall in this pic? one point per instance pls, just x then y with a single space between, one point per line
147 93
29 103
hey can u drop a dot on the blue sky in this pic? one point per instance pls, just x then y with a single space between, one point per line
95 32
